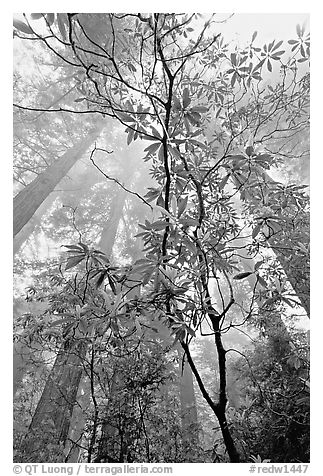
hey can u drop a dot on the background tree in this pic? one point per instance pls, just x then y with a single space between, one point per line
214 119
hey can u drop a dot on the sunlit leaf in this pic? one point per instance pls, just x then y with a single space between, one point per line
21 26
159 225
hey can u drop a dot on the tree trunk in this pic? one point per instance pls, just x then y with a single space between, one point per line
23 357
29 206
106 244
78 421
227 438
33 195
77 177
110 231
188 410
285 241
219 408
51 421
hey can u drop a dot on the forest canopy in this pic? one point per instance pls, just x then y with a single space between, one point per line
161 240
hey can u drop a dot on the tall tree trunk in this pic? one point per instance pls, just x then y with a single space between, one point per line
21 352
78 420
76 178
109 434
285 241
28 200
274 326
106 244
51 421
110 231
189 418
23 357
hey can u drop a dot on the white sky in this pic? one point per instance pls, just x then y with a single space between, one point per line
281 26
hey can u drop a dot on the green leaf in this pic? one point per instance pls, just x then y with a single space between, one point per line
287 301
233 57
259 65
160 201
50 17
189 245
114 327
36 16
73 247
257 265
256 230
277 46
262 282
125 117
194 118
165 212
200 109
112 285
151 149
21 26
131 67
101 279
152 194
190 331
130 136
242 275
173 205
155 132
254 36
159 225
182 203
175 152
224 181
186 98
249 150
85 247
62 321
189 222
73 261
61 25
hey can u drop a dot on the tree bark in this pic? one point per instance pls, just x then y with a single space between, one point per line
189 417
218 408
28 200
51 421
77 178
110 231
23 357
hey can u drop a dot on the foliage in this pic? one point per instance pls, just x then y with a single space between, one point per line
214 122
